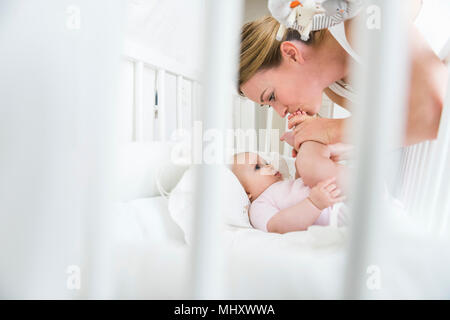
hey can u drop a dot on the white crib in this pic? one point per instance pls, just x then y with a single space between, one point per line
55 212
160 89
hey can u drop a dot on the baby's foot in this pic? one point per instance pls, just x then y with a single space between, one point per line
288 137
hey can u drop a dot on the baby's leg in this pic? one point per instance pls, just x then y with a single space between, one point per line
297 166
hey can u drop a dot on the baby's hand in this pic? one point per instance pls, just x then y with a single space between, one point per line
325 194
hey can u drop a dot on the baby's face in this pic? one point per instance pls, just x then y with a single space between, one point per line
254 173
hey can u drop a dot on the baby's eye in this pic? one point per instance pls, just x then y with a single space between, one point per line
257 167
272 97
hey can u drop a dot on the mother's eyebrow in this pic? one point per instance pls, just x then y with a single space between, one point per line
262 95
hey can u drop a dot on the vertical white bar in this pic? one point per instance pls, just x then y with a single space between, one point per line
54 217
149 103
242 114
237 113
377 126
408 163
221 52
410 176
438 189
195 101
428 180
401 178
138 100
268 137
161 87
187 112
179 102
287 148
418 190
414 179
440 210
247 110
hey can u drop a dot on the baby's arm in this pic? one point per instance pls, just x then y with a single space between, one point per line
302 215
314 164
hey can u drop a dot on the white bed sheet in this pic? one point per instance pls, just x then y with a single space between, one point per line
145 220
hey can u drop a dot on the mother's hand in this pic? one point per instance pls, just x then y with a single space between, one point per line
322 130
341 151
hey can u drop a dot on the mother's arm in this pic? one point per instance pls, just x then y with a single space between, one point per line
427 84
314 164
321 130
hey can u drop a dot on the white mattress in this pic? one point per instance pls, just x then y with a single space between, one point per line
153 262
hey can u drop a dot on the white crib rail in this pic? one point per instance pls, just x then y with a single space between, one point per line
160 106
151 114
424 180
379 91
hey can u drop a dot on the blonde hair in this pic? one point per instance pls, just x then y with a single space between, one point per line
261 50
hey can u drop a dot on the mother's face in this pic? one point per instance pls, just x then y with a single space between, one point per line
293 85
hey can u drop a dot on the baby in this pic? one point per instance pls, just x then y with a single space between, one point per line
282 206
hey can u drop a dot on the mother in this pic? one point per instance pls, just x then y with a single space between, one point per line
291 75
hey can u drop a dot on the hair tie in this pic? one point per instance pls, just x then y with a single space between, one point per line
311 15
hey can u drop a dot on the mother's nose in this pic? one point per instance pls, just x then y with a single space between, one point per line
281 110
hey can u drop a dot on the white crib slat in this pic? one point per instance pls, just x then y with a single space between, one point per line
161 78
268 137
406 181
208 265
195 101
410 177
375 134
287 148
149 103
424 168
138 100
248 113
401 186
187 115
401 174
445 223
411 186
415 188
427 181
445 227
236 113
179 108
419 192
407 163
441 206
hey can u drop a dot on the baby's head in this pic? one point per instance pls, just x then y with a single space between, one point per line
254 173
